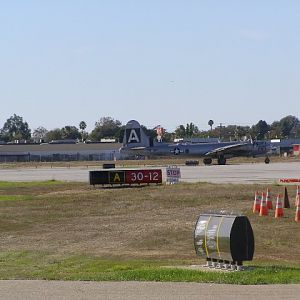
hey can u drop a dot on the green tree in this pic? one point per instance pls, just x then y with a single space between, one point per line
287 124
120 134
275 130
180 132
191 130
211 123
70 132
168 137
55 134
39 134
241 132
15 129
228 132
106 127
149 132
296 131
260 130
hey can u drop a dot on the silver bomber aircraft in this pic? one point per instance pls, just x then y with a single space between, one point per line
136 144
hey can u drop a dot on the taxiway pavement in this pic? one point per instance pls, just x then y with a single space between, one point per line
239 173
38 289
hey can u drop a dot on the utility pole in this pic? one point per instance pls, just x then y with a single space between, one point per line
220 133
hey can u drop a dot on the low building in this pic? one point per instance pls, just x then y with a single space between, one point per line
296 149
284 146
59 152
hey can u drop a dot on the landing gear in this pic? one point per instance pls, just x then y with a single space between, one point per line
267 160
207 161
221 160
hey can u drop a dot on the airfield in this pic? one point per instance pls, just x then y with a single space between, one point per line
242 173
58 221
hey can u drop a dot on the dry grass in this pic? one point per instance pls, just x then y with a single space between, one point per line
154 161
142 222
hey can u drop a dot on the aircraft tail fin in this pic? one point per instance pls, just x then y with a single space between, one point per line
134 136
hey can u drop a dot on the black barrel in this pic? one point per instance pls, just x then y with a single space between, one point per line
224 237
192 162
108 166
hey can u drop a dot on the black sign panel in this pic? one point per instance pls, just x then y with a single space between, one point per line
139 176
99 177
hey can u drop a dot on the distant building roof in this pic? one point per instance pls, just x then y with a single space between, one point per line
285 142
33 148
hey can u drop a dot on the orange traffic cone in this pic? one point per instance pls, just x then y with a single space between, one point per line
269 200
263 206
297 195
256 204
279 208
297 216
297 201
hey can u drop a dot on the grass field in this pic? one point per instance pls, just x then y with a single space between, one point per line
56 230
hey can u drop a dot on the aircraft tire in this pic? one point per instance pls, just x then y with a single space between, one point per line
207 161
221 160
267 160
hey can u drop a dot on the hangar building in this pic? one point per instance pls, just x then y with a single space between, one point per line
59 152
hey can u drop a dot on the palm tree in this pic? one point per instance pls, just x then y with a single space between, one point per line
82 126
210 123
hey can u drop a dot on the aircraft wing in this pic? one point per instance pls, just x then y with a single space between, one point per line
136 148
233 149
132 148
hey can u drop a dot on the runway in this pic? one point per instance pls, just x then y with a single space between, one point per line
243 173
239 173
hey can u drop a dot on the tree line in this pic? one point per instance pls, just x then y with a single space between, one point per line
287 127
16 129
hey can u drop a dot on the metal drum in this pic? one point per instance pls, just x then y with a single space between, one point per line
224 239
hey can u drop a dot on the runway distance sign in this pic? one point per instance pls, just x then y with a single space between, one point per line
142 176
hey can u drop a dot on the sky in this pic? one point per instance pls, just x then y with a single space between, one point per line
160 62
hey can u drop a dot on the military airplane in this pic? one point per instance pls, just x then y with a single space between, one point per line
137 144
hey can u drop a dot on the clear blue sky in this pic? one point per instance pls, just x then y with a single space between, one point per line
162 62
